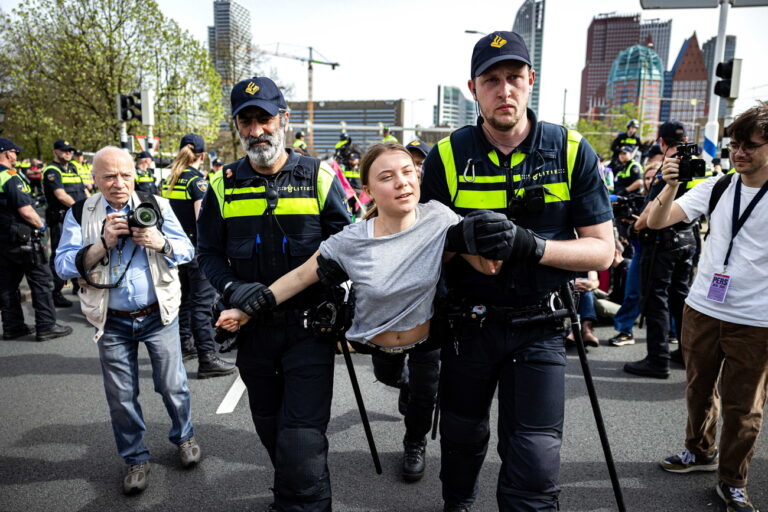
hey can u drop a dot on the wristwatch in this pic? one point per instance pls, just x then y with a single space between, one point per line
166 250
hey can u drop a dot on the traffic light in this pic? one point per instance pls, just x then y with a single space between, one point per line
730 72
128 106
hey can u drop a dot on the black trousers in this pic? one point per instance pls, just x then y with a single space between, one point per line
15 265
289 377
528 364
55 229
197 296
666 279
419 376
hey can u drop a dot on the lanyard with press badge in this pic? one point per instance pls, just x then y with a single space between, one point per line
720 282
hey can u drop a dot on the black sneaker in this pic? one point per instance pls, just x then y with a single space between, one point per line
456 508
687 462
646 369
60 301
188 350
18 333
735 498
212 365
676 356
622 339
414 460
57 331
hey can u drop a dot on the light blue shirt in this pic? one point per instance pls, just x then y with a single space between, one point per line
136 290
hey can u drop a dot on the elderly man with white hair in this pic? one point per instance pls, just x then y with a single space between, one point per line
130 292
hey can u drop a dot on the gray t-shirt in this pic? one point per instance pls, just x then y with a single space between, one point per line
395 276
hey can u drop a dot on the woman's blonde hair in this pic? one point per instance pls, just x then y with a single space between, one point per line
184 159
366 162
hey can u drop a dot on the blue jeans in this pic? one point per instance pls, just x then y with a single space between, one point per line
587 306
625 318
118 351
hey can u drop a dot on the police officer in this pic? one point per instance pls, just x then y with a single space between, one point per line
629 174
145 176
419 151
83 169
63 187
388 137
625 139
20 257
545 178
299 145
258 223
216 167
185 189
666 267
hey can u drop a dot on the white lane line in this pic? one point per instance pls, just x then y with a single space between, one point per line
232 398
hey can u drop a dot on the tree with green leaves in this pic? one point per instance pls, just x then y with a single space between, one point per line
64 62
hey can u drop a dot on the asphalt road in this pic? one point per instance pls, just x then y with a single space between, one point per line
57 451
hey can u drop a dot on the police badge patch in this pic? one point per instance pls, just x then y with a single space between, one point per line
52 176
202 185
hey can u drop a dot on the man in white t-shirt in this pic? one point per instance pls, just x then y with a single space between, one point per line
725 322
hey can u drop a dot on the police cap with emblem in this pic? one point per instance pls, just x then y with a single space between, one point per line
63 145
419 146
257 92
197 142
497 47
7 145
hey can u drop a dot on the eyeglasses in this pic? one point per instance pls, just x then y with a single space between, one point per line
747 147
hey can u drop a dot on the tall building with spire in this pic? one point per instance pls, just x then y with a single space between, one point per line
529 23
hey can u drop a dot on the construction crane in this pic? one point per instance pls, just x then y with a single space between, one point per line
309 60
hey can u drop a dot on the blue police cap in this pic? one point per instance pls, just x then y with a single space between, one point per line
7 145
257 92
497 47
626 149
217 161
420 146
63 145
144 154
196 141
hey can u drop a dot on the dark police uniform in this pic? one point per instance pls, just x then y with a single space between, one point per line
630 173
58 176
196 291
466 172
145 181
623 139
666 268
15 193
256 228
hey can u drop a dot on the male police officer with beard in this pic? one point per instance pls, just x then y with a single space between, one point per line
545 178
259 221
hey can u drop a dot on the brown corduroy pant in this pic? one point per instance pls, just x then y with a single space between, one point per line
737 355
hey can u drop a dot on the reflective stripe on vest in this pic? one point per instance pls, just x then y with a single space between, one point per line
144 179
626 172
178 192
67 178
480 192
252 201
5 176
352 174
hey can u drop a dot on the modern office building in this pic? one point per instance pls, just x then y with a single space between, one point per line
370 113
529 23
230 44
453 109
660 32
708 49
637 77
666 93
608 34
689 85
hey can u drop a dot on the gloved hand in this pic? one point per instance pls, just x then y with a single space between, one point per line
514 243
330 273
479 229
250 298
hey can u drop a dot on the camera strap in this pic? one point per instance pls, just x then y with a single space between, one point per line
738 221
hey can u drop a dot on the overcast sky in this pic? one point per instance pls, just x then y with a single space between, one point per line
404 48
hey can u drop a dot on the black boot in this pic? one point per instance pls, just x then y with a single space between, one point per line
212 365
414 459
456 508
57 331
18 333
188 350
60 301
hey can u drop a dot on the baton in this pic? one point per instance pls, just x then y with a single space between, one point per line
361 405
576 329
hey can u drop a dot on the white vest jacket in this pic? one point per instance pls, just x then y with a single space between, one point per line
93 301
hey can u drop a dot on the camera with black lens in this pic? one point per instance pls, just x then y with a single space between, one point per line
625 207
689 168
143 216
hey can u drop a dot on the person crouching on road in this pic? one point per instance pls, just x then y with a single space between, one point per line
401 238
184 190
130 292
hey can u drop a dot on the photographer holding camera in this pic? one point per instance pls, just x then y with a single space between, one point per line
725 327
667 262
21 254
125 247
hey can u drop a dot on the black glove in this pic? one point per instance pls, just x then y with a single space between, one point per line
250 298
330 273
479 230
514 243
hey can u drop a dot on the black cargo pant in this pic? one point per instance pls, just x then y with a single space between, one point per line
15 265
666 271
289 377
528 363
197 296
419 376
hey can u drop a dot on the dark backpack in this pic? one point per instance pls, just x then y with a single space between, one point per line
144 197
717 193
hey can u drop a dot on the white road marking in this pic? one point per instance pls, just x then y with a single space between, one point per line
232 398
